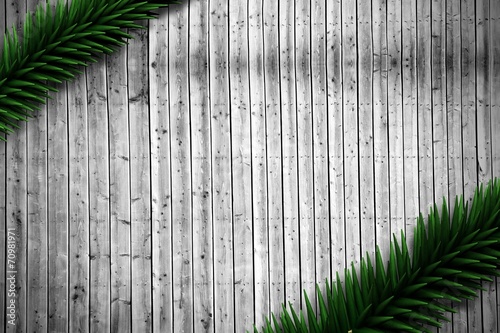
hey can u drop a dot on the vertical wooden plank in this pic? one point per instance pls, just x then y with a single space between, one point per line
3 195
119 192
495 86
468 93
335 134
366 73
494 57
57 170
484 158
425 138
483 115
410 143
3 187
241 164
454 119
453 98
78 228
289 150
161 190
140 182
383 196
272 86
201 166
439 110
351 130
438 88
305 152
221 168
181 169
395 115
320 140
16 198
260 196
99 210
36 289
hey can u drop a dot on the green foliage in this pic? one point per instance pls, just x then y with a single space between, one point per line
451 256
55 43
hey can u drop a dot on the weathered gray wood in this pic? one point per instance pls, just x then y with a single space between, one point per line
320 141
203 277
469 131
368 86
161 190
495 86
438 87
305 152
274 156
3 195
181 170
289 150
410 143
140 182
395 115
454 118
119 191
424 108
99 219
260 244
57 173
254 125
439 133
336 138
221 168
36 289
483 116
351 132
78 228
241 164
16 196
494 51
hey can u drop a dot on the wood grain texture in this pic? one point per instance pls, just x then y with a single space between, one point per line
16 198
289 150
320 139
241 164
3 196
351 131
181 170
201 157
161 169
274 129
336 138
78 221
140 180
410 143
119 191
259 183
36 289
222 205
98 182
305 152
238 152
395 115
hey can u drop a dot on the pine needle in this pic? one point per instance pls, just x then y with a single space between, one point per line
452 255
56 43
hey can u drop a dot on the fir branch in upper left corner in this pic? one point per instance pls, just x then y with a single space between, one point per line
55 43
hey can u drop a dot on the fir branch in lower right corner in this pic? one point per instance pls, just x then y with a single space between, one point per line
451 256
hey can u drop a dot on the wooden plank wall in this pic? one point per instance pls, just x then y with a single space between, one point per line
238 152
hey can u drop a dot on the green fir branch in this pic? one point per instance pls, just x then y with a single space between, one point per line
56 43
450 259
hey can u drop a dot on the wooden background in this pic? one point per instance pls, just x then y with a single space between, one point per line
238 152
